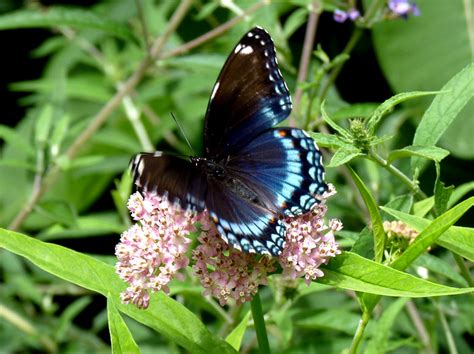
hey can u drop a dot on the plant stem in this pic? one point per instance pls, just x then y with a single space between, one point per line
211 34
399 174
359 332
447 331
306 55
337 69
419 325
259 323
463 268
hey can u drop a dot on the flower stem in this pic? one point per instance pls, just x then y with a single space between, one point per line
463 268
259 323
359 332
399 174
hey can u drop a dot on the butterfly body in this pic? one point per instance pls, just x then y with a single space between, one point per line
252 175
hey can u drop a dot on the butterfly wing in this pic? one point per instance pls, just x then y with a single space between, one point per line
284 168
245 225
171 176
249 96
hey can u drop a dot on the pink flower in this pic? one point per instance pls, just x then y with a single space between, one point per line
152 251
226 273
309 243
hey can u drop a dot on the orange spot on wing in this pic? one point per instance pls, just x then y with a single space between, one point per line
282 133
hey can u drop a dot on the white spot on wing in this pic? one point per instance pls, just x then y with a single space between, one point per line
246 50
214 90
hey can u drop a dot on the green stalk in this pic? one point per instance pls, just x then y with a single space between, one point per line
259 323
359 332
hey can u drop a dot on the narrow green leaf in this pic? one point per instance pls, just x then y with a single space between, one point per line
344 133
68 315
329 140
376 219
459 240
438 265
62 16
355 110
443 110
341 320
120 337
165 315
351 271
442 194
379 341
429 235
59 133
343 156
388 105
459 192
58 211
428 152
423 207
235 337
12 138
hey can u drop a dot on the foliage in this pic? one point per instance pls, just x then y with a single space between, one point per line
115 71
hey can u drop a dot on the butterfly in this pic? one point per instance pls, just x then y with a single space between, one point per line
252 174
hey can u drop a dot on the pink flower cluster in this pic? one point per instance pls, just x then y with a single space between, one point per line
152 251
309 244
225 272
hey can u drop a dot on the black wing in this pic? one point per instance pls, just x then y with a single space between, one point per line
249 96
170 176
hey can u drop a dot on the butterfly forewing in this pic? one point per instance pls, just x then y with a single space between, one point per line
249 96
171 176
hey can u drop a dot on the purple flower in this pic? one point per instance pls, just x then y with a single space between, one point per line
340 16
403 8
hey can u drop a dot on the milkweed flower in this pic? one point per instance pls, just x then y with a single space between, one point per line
310 243
225 272
152 251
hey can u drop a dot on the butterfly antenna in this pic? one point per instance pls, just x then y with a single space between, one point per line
182 132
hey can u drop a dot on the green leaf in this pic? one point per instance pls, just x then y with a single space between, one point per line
343 156
120 336
388 105
68 315
62 16
443 111
351 271
165 315
442 194
457 239
16 140
428 152
335 320
343 132
376 219
379 341
235 337
439 266
355 110
329 140
58 211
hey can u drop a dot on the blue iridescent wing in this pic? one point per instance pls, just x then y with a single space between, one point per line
243 224
170 176
249 96
284 167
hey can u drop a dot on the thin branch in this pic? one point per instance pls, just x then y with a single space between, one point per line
211 34
464 269
419 325
359 332
104 113
308 45
259 324
141 17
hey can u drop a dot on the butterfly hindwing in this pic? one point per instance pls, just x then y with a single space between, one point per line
249 96
283 166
